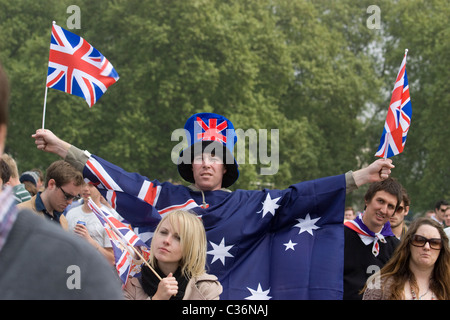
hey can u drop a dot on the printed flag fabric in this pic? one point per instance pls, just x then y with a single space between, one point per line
262 244
122 239
398 119
77 68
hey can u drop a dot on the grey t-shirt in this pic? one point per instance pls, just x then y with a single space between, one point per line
42 261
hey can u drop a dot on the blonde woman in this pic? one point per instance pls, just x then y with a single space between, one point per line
178 255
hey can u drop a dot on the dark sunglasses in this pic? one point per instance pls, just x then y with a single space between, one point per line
419 241
67 196
400 209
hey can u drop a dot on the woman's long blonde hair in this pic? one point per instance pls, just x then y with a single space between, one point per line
192 241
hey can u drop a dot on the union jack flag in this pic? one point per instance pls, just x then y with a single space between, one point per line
77 68
212 130
398 119
123 239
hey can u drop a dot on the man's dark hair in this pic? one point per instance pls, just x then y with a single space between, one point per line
440 203
405 197
63 172
390 185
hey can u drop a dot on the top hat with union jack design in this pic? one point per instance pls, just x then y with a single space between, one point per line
209 133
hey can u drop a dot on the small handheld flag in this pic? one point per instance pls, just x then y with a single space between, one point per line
123 241
77 68
398 119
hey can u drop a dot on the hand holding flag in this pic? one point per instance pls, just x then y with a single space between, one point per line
398 119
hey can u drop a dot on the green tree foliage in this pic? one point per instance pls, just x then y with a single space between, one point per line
310 69
421 27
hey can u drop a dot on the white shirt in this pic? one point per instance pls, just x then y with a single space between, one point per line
435 219
447 231
93 224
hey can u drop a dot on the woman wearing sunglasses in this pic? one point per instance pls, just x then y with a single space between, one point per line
419 269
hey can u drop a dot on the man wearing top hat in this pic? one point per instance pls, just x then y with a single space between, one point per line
262 244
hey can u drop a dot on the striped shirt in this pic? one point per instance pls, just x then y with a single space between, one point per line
20 193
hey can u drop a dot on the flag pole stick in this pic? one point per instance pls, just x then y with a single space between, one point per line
121 239
45 106
387 145
146 263
45 96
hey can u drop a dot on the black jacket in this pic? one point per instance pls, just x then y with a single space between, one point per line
360 263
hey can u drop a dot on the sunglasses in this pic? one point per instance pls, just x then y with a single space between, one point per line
68 196
419 241
400 209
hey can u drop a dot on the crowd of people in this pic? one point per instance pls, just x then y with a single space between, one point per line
384 257
389 258
38 258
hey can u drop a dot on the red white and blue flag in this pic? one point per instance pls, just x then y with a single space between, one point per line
122 239
398 119
77 68
212 130
292 240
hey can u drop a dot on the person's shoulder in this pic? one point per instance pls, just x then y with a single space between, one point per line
27 218
60 249
393 240
209 286
38 229
28 204
348 230
206 277
208 282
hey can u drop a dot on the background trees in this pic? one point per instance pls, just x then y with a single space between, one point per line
312 70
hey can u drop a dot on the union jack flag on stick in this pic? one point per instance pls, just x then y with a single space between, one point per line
77 68
398 119
123 241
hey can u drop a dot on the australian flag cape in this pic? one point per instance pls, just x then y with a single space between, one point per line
262 244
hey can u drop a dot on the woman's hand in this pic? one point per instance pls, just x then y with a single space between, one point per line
167 288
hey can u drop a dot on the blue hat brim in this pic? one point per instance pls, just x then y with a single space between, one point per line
185 168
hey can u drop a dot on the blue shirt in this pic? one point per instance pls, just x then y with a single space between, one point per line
41 207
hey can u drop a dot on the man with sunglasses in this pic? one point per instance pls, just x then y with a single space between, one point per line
397 221
439 211
63 183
